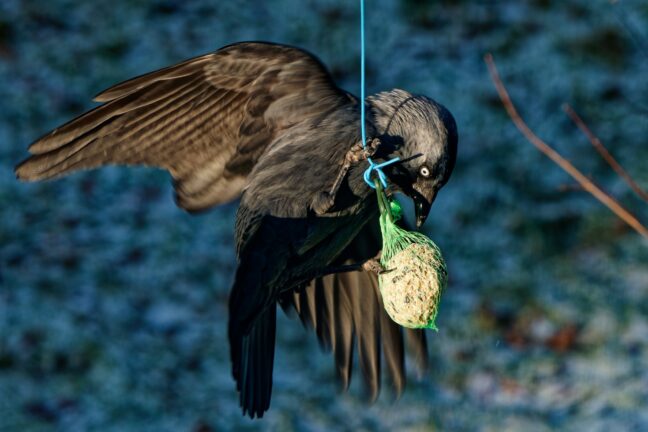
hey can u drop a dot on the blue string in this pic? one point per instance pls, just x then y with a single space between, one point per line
378 169
362 74
372 165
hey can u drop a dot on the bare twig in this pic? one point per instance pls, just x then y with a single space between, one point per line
605 154
587 184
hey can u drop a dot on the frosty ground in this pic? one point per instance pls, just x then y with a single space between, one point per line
113 301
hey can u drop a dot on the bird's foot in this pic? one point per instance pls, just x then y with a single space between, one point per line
373 265
359 153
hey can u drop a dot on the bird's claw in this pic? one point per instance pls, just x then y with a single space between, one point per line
359 153
372 147
374 266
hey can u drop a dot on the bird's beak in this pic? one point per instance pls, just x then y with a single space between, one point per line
422 196
422 205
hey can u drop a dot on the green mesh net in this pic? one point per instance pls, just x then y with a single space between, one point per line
415 273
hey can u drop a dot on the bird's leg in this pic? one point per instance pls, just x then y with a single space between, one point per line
371 265
325 200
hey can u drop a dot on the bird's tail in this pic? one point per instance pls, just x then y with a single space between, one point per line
252 361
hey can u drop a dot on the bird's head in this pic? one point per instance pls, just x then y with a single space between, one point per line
423 134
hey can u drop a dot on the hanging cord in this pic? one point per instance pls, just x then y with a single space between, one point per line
373 167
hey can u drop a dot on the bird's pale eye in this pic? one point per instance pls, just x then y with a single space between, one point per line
424 171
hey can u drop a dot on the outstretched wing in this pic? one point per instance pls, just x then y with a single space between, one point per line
346 309
206 120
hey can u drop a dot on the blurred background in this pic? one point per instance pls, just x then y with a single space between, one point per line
113 301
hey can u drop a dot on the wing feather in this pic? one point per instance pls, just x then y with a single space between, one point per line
180 70
206 120
346 309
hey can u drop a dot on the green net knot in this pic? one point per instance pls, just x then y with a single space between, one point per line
396 210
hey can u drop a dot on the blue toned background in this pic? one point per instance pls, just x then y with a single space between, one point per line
113 301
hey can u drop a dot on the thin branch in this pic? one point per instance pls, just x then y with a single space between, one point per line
605 154
587 184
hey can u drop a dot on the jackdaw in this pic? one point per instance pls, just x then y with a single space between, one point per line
266 123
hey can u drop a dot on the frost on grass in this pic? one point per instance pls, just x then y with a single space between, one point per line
90 264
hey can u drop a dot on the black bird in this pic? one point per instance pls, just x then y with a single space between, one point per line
266 123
